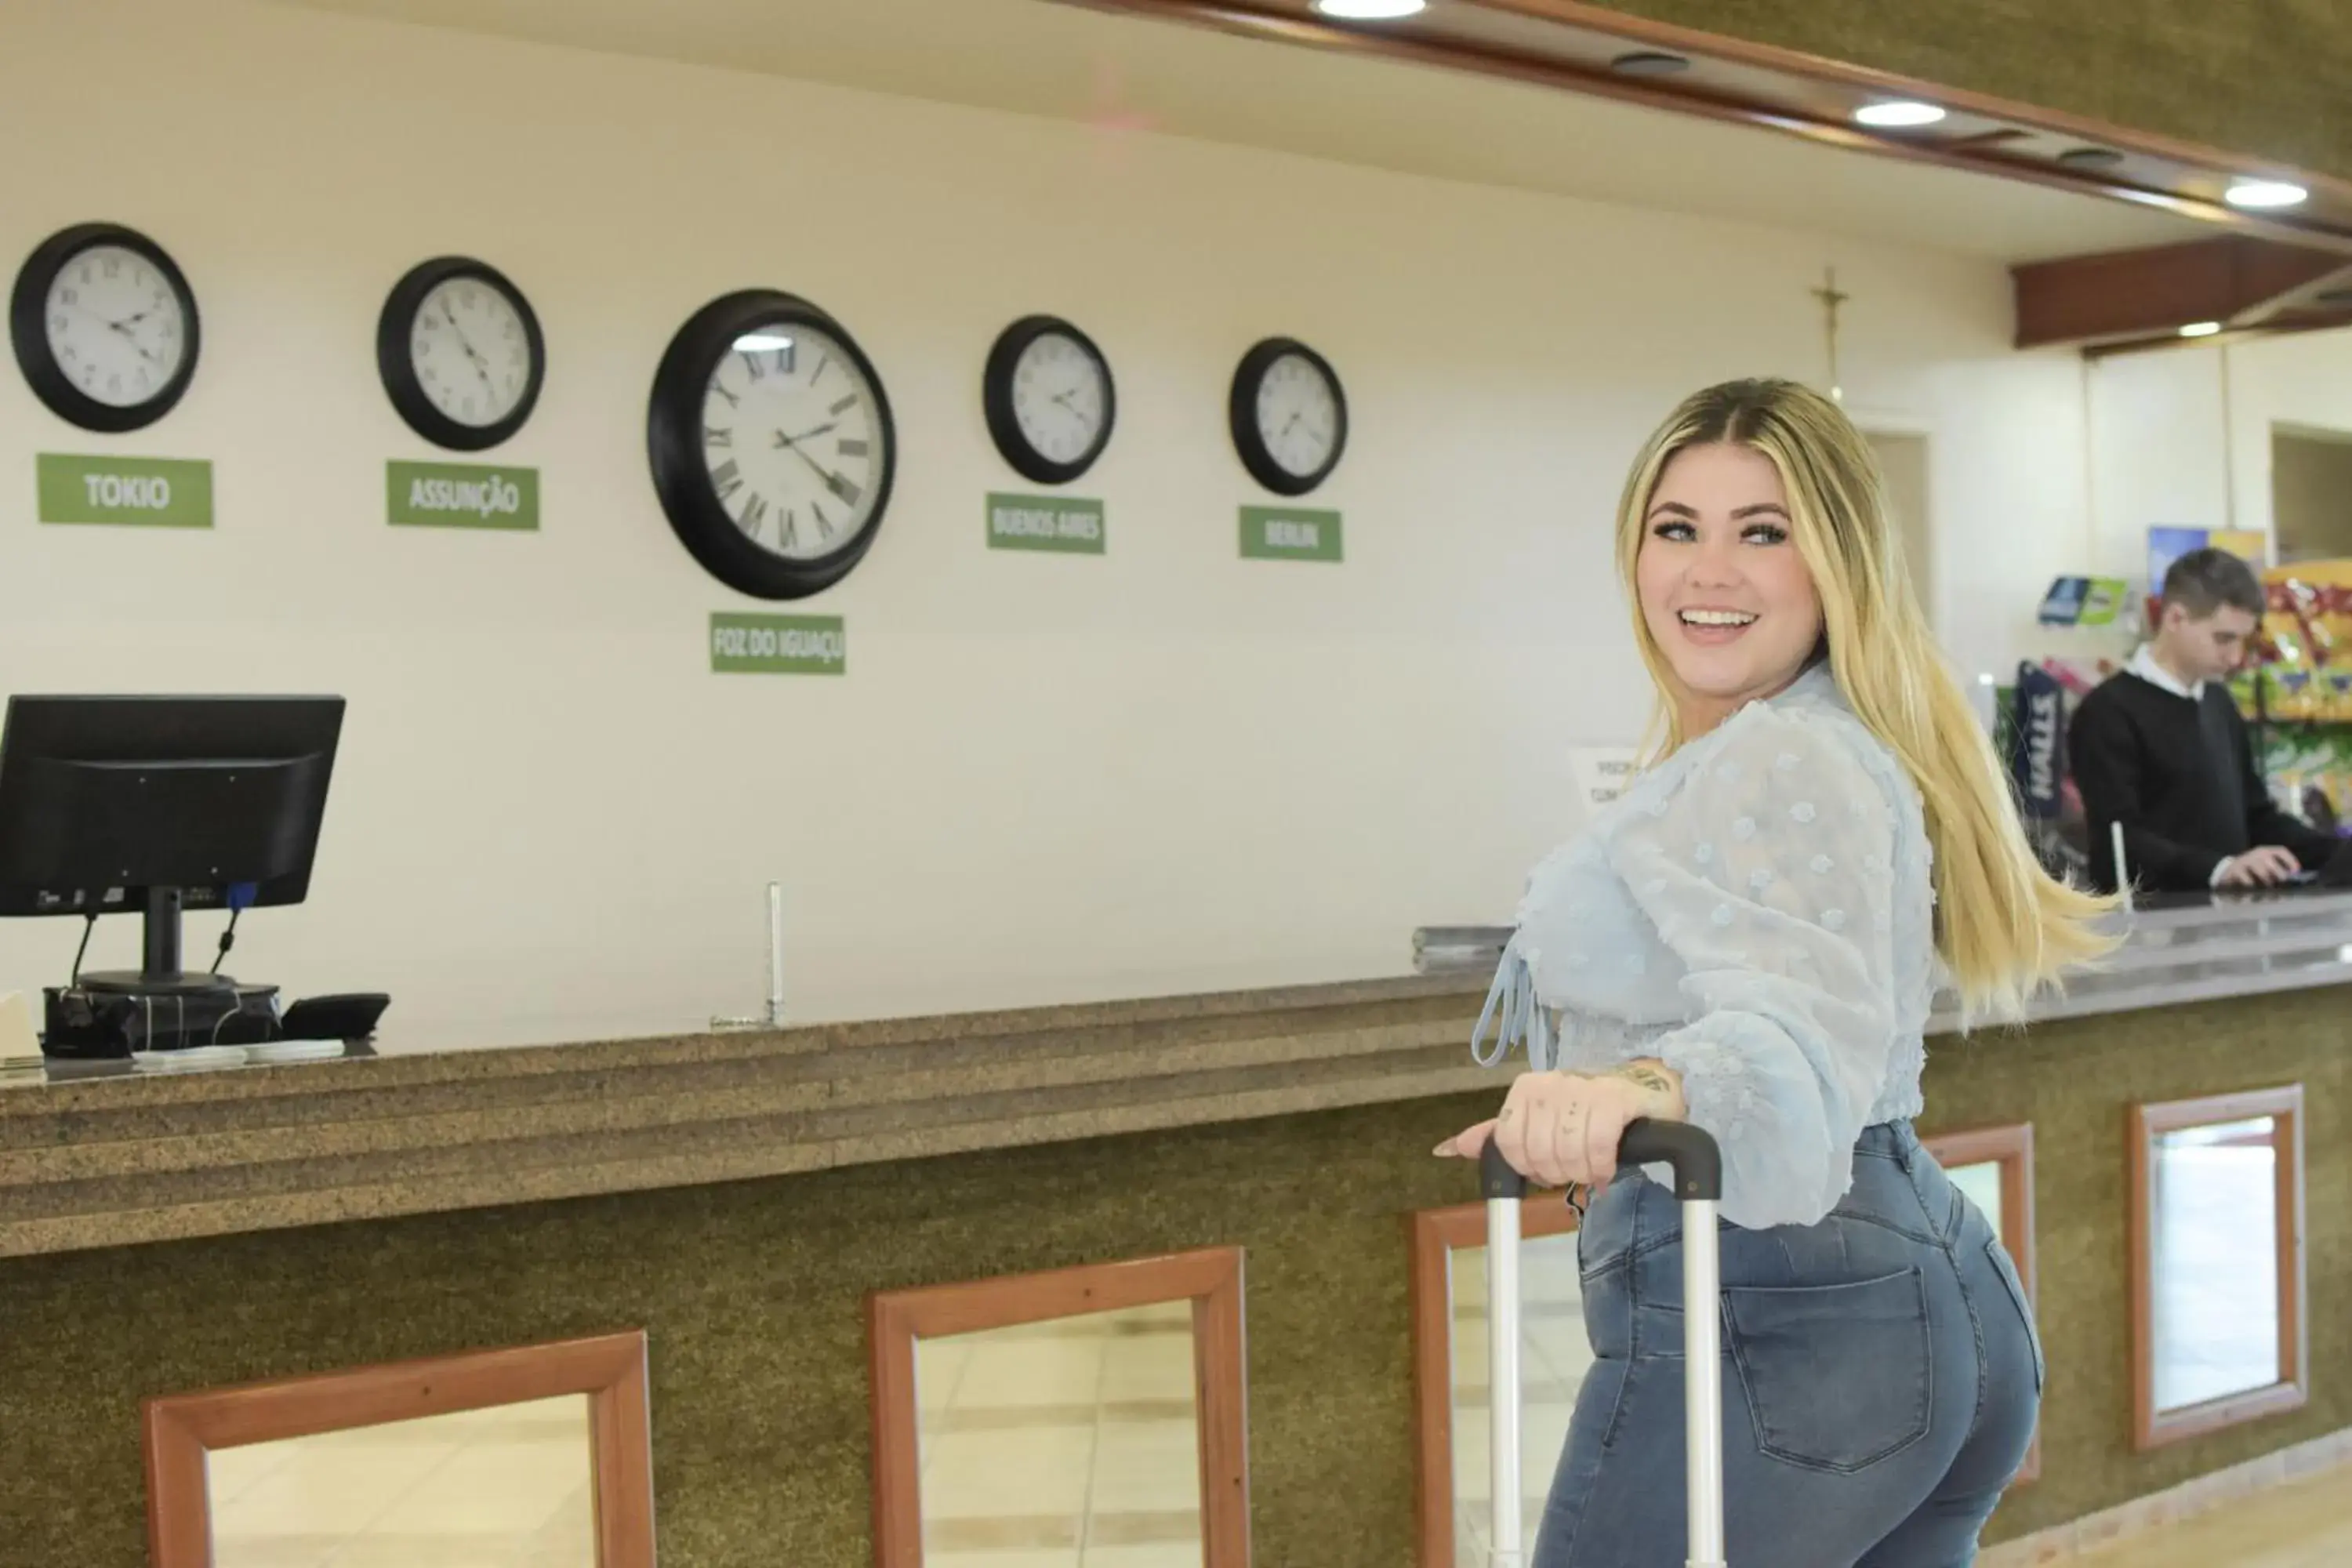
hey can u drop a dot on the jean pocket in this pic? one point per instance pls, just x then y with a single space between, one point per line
2006 1267
1837 1376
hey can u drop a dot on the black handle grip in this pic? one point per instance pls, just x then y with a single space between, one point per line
1496 1177
1697 1162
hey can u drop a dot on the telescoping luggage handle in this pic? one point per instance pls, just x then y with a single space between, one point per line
1697 1165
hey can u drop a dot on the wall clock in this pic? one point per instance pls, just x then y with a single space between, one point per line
1049 399
1289 415
104 327
772 444
460 352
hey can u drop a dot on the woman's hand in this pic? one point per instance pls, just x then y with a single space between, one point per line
1560 1129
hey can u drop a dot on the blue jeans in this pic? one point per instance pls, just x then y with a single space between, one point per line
1882 1376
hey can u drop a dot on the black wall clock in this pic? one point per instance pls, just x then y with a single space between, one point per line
460 352
104 326
1049 400
772 444
1289 415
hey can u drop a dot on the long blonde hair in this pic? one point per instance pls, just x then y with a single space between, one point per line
2004 927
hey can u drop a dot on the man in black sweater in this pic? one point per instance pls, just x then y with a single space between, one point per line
2161 749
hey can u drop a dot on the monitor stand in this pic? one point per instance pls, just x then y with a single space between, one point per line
160 974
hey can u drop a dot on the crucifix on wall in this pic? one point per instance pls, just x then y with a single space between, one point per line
1831 299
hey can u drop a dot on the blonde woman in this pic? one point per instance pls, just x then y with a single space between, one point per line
1748 939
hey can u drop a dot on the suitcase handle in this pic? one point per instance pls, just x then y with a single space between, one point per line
1697 1165
1696 1162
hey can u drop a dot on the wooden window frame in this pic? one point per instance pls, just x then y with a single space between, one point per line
1210 1279
2152 1429
2010 1146
610 1369
1434 1234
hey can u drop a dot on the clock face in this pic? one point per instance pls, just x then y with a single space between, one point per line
1297 415
794 445
114 326
470 351
1060 397
460 352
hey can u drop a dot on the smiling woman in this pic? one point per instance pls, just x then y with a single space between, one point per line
1748 939
1724 590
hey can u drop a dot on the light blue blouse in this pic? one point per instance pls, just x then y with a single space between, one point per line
1756 912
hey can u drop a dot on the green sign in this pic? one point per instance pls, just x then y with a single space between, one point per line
460 495
1064 523
1289 534
778 645
153 492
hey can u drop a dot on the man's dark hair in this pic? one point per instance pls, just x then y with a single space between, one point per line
2202 580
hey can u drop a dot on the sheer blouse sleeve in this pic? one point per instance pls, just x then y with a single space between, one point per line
1769 872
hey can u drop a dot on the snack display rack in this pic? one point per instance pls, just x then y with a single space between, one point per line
2296 692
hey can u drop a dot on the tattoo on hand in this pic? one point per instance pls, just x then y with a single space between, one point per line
1648 1077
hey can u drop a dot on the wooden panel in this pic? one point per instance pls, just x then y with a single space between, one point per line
1210 1279
2151 1428
1433 1234
2158 290
609 1369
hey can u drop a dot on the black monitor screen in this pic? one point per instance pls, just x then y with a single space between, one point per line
103 799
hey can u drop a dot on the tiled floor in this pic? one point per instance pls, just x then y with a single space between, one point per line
1553 1357
2303 1524
506 1487
1068 1443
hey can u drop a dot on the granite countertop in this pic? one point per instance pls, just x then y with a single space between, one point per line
98 1154
101 1155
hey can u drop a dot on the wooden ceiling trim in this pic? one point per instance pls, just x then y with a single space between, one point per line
2131 294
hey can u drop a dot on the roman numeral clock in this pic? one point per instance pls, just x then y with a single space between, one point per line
772 444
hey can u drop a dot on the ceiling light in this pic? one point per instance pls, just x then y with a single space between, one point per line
1901 111
2201 328
1369 10
2263 194
1649 62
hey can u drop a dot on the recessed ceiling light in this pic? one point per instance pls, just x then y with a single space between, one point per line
2201 328
1649 62
1901 111
1369 10
2263 194
2090 157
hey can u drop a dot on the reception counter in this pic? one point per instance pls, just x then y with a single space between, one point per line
739 1196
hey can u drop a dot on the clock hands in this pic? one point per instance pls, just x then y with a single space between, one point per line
785 440
142 350
481 366
122 329
1085 421
844 489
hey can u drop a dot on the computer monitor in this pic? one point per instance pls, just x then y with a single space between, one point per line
153 804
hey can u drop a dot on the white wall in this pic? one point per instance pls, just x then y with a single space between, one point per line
2303 379
2182 436
2158 452
1045 779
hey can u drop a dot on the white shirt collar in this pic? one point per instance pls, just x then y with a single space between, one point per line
2143 664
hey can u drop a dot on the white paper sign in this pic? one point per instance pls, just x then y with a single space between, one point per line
19 1046
1601 773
